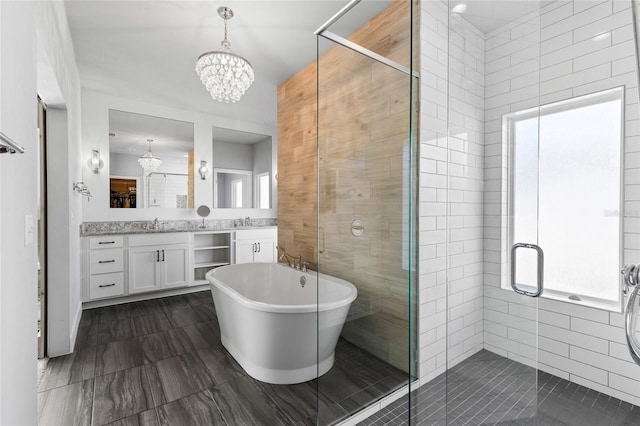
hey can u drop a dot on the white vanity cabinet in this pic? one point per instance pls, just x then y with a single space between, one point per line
158 262
105 267
256 245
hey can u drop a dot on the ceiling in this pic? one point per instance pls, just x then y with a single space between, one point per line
489 15
147 50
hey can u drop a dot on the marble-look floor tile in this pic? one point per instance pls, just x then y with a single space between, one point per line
63 370
185 316
87 336
121 394
153 323
196 409
89 317
116 330
206 312
145 307
146 418
177 377
202 335
113 313
174 302
232 397
338 383
199 298
166 344
116 356
298 401
67 405
220 363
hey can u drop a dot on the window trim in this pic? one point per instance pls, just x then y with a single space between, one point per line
508 123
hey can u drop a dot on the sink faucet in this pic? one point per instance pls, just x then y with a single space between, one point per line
156 224
247 221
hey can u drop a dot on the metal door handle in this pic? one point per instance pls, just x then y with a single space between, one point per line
157 255
106 261
540 283
106 242
163 255
106 285
258 247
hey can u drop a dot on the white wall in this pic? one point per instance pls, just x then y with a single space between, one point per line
18 278
227 155
95 129
32 33
433 209
581 344
465 190
59 86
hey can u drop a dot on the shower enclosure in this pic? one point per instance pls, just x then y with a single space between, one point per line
538 152
528 191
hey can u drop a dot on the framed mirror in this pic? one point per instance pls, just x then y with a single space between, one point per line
242 169
150 158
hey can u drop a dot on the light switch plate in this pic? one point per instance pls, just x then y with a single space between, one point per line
28 230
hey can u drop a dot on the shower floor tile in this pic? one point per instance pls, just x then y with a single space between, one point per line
488 389
161 362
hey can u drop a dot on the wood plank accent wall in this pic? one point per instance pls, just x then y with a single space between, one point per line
364 113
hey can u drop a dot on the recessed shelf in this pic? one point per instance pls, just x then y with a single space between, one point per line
209 264
211 248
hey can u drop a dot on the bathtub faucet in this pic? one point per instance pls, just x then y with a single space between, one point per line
291 261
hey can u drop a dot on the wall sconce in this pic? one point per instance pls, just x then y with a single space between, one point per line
95 163
203 170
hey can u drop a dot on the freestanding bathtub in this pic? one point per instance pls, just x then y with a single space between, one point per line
270 319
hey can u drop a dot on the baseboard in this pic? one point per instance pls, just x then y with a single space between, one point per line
144 296
75 326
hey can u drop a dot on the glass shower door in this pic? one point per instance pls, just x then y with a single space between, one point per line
494 265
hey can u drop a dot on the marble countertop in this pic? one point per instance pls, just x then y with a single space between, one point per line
89 229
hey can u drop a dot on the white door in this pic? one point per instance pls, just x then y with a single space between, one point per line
174 263
245 250
143 268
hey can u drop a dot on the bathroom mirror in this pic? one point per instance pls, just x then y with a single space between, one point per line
242 174
132 136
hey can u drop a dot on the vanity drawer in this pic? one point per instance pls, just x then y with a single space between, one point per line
106 285
104 261
108 241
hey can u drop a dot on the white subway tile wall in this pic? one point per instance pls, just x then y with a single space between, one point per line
584 47
468 81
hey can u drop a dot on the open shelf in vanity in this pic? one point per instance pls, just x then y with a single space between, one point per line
211 249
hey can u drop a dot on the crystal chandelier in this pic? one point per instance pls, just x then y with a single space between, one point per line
148 161
225 75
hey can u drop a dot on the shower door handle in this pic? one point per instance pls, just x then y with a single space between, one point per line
540 256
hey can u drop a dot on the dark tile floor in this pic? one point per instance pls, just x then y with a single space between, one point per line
488 389
160 362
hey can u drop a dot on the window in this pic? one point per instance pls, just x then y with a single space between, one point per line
565 194
262 191
236 193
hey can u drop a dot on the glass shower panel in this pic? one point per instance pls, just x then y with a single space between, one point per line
366 224
492 199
